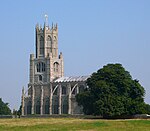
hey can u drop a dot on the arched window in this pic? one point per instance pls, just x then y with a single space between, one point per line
49 41
56 67
41 46
29 106
40 67
47 106
43 67
40 78
37 107
64 90
37 67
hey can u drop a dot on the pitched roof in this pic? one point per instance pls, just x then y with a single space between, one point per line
72 79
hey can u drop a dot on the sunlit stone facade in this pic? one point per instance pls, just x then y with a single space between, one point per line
49 92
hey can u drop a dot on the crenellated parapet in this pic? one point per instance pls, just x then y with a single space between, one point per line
53 29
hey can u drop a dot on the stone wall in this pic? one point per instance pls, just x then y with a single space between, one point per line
53 98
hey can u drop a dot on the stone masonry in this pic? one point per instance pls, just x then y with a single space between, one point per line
49 92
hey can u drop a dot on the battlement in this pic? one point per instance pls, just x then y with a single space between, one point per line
52 29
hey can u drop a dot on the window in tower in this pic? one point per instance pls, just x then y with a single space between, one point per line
49 44
49 41
43 67
40 78
40 67
56 66
41 46
37 67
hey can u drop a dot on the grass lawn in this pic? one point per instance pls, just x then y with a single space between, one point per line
72 124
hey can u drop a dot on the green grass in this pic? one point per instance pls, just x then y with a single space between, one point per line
72 124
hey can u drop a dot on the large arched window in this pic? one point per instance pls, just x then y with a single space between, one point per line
47 106
40 67
29 106
37 107
56 67
64 90
43 67
41 45
49 44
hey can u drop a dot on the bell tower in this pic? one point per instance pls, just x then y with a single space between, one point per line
47 64
46 41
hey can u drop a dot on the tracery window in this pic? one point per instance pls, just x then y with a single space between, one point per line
41 45
47 106
37 107
64 90
56 67
43 67
29 106
49 44
40 67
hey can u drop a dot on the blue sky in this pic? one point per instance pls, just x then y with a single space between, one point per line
92 33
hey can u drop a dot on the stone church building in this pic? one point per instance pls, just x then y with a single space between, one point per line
49 91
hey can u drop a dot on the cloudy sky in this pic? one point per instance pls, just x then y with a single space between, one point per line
92 33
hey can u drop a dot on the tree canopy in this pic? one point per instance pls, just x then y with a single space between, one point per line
4 109
112 92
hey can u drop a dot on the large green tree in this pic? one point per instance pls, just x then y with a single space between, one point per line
112 92
4 109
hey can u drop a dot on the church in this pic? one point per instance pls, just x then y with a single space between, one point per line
49 91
